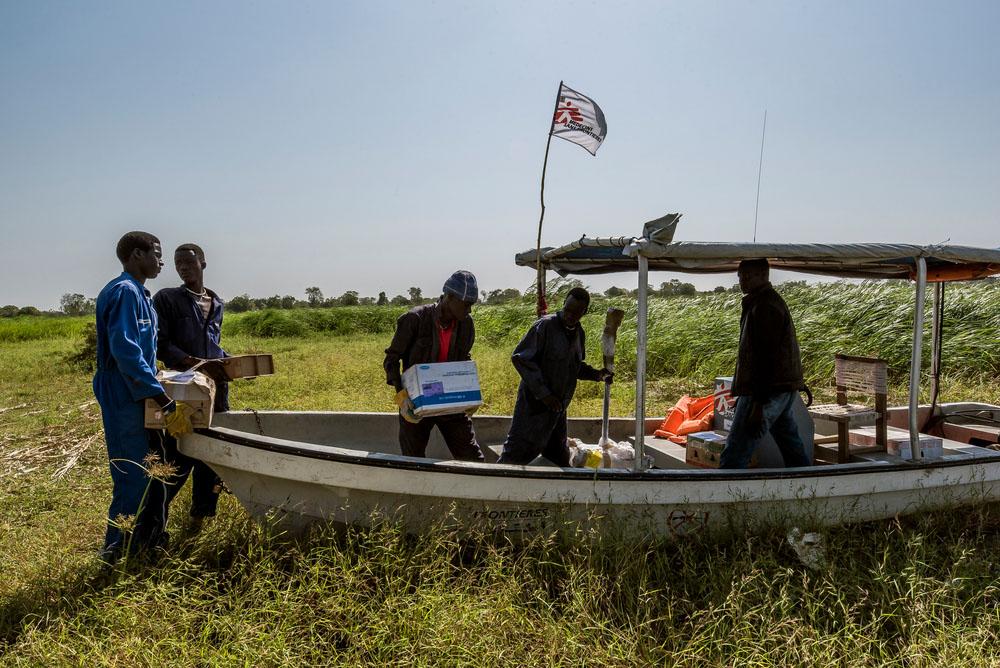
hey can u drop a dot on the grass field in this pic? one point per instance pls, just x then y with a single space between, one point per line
909 592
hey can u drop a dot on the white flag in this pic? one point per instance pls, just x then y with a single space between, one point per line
578 119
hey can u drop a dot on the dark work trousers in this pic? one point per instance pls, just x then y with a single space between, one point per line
456 429
204 481
162 491
536 432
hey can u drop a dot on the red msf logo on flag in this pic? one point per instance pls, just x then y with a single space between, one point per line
567 112
578 119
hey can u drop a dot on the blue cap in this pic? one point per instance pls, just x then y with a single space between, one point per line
463 285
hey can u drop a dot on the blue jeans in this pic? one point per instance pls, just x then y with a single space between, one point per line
777 419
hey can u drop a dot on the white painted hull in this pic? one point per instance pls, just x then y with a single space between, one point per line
293 476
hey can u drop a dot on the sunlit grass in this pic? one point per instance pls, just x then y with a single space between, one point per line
913 592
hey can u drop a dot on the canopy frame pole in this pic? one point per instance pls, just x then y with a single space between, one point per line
640 364
937 343
915 362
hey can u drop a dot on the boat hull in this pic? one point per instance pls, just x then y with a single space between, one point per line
296 483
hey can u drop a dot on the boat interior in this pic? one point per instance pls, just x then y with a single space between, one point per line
966 430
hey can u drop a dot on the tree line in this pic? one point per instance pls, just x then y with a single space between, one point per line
76 304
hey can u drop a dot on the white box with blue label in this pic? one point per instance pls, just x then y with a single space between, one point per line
443 388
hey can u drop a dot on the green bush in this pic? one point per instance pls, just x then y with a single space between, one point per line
301 322
269 323
33 328
85 357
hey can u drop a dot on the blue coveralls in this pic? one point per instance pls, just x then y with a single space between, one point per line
183 331
126 376
550 361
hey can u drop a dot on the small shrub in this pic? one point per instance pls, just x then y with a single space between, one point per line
85 357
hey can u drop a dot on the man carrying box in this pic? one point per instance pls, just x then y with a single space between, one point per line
438 332
550 361
190 327
125 378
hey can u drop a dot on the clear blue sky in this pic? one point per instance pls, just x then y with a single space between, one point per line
374 145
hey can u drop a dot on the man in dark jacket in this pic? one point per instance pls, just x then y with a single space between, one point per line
550 361
438 332
190 327
768 374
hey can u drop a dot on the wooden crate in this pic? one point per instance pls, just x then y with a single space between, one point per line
247 366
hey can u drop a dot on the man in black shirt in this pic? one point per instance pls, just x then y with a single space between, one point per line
768 374
430 333
189 331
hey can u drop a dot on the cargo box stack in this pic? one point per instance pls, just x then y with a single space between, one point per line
704 449
897 442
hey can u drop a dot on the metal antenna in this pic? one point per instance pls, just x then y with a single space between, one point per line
759 166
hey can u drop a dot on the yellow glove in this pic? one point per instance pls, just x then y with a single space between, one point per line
406 407
595 459
178 420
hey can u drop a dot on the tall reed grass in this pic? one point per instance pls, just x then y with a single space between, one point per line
41 327
692 337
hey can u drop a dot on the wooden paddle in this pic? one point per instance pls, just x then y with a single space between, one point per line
612 321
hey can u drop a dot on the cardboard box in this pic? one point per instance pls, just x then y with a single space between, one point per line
247 366
897 442
931 447
704 449
725 404
443 389
190 387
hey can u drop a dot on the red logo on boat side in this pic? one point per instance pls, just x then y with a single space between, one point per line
687 522
567 112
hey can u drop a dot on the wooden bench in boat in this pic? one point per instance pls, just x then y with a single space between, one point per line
865 375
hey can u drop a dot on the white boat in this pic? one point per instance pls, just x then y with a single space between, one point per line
302 468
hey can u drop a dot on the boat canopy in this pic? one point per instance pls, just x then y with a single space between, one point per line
657 250
605 255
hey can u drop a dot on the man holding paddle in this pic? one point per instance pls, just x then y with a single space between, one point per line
550 359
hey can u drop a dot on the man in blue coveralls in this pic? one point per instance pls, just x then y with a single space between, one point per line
125 378
550 361
190 327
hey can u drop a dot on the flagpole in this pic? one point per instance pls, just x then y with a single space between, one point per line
540 306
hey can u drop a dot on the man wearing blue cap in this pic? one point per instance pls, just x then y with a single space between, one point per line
438 332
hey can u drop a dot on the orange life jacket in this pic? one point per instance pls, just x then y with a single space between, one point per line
689 415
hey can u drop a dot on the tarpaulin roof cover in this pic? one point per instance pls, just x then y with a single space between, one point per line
618 254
